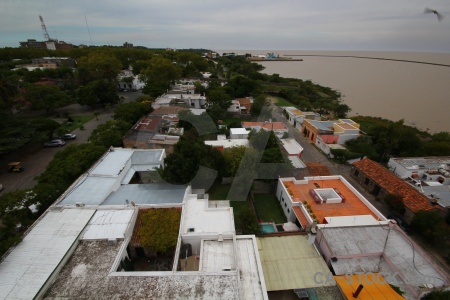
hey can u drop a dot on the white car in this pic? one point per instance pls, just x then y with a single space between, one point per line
69 136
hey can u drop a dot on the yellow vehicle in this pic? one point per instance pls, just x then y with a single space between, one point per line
15 167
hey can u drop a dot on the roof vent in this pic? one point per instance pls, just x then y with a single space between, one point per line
79 204
112 242
191 229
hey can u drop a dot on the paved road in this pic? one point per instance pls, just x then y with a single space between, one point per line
312 154
35 158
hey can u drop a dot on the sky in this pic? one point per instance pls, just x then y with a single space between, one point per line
361 25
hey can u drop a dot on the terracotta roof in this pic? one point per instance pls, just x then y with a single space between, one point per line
318 169
300 216
412 198
351 206
149 123
245 102
168 110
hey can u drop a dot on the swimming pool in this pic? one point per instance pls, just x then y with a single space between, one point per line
268 227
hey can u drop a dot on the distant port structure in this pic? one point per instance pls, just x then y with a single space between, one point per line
271 57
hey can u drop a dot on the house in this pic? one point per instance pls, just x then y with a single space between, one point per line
343 129
381 182
240 106
191 100
157 130
383 248
87 244
292 147
324 200
127 81
277 127
296 116
239 133
429 175
185 86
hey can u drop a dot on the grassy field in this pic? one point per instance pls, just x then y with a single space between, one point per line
268 208
278 101
77 122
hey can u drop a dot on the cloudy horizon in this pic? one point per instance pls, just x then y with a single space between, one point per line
359 25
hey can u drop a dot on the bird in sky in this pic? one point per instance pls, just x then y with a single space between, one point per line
429 10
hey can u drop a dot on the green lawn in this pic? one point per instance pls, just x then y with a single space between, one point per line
77 122
268 208
282 102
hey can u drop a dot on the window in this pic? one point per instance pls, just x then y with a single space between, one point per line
356 172
282 199
285 205
366 181
289 211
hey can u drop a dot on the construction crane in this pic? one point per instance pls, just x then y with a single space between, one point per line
44 29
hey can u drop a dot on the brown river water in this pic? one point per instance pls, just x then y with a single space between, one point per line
419 93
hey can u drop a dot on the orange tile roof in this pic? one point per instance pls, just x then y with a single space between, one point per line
412 198
352 206
245 102
318 169
300 216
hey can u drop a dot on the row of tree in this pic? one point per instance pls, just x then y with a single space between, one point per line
384 139
62 171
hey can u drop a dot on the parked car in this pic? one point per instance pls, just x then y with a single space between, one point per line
55 143
69 136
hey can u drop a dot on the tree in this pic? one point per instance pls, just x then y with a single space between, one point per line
246 220
158 76
182 165
98 93
45 97
131 112
46 126
98 65
437 295
109 133
430 225
8 89
342 110
263 140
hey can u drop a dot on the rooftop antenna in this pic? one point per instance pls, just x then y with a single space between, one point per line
88 29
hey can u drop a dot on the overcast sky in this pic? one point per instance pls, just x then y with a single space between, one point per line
390 25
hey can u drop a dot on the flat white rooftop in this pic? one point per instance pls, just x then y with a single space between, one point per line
228 143
291 146
26 269
197 215
108 224
239 131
